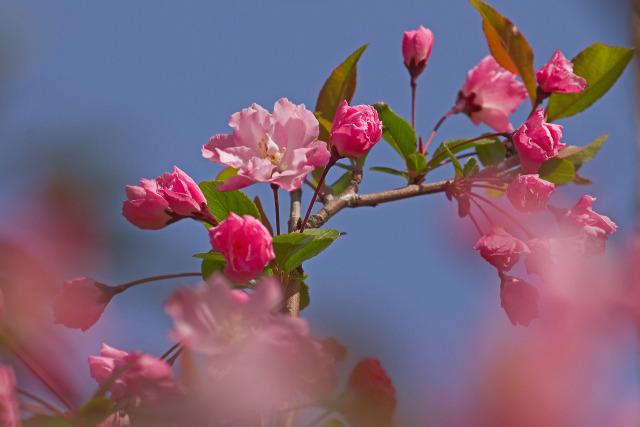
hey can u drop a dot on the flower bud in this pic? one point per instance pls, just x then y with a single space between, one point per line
81 302
416 48
355 130
529 193
246 245
519 300
181 192
145 207
500 248
557 76
537 141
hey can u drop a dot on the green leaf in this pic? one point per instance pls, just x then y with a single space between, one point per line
557 170
396 131
96 410
222 203
457 145
470 167
508 46
416 162
226 173
342 183
323 233
600 66
211 262
42 420
340 86
285 245
293 249
456 163
492 153
390 171
580 155
304 296
325 125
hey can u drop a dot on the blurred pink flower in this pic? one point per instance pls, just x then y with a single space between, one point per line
519 300
557 76
355 129
246 245
1 310
529 193
537 141
9 412
81 302
145 378
500 248
278 148
490 94
416 48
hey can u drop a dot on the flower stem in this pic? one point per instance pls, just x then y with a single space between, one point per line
473 220
168 352
414 84
332 161
454 110
47 405
125 286
275 187
529 234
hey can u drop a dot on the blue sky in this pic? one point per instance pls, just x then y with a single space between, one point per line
118 91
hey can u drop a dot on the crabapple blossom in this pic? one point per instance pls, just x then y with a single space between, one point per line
278 148
529 193
500 248
181 192
416 48
9 412
246 245
145 207
519 300
355 129
557 76
490 94
81 302
537 141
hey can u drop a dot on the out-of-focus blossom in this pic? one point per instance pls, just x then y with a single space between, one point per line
144 380
81 302
557 76
416 48
9 412
529 193
370 398
119 419
537 141
500 248
490 94
355 129
278 148
246 245
1 309
519 300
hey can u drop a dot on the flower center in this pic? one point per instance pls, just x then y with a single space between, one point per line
269 150
234 330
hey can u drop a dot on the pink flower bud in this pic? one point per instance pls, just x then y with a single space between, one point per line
246 245
519 300
369 399
416 48
181 192
490 94
500 248
537 141
529 193
9 412
145 207
355 130
81 302
557 76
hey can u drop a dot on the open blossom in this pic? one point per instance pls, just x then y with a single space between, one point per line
500 248
355 129
156 203
416 48
144 380
246 245
9 412
537 141
490 94
81 302
278 148
519 300
557 76
529 193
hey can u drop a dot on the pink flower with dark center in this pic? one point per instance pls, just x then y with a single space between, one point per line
416 48
490 94
529 193
500 248
144 379
557 76
537 141
519 300
81 302
278 148
355 130
246 245
9 411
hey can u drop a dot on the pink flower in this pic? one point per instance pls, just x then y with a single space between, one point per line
145 378
278 148
355 129
246 245
529 193
9 412
537 141
557 76
81 302
519 300
154 204
500 248
490 94
416 48
369 399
